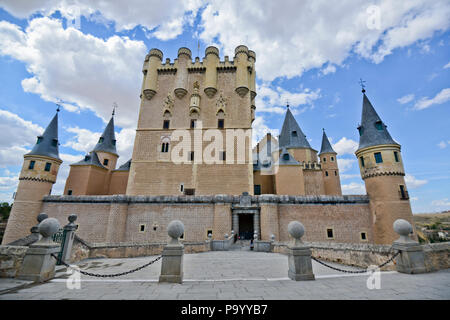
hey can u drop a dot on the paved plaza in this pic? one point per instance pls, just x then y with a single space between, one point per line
227 275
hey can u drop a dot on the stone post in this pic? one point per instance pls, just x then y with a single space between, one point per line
256 223
172 255
38 265
69 231
411 258
236 223
41 217
299 254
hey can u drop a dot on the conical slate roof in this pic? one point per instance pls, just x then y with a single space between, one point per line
326 146
107 141
291 135
286 158
125 166
47 143
372 130
89 159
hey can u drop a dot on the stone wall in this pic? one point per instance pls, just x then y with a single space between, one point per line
358 255
436 256
11 258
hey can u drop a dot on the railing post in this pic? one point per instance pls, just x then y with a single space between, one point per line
38 265
411 258
299 254
69 233
172 255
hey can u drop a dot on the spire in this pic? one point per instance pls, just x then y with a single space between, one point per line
47 143
326 146
89 159
291 135
372 130
107 141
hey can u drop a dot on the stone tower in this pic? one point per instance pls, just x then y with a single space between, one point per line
39 170
183 104
381 168
92 175
330 170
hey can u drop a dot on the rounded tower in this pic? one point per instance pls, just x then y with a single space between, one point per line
155 57
381 168
330 170
39 171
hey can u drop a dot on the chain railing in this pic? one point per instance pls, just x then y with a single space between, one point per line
106 275
356 271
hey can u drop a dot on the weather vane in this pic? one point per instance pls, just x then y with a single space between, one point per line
59 105
115 106
287 103
361 82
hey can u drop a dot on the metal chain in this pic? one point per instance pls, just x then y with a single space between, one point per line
107 275
356 271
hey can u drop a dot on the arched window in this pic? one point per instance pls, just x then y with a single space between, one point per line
165 147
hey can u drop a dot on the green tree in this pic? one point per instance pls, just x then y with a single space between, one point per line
5 209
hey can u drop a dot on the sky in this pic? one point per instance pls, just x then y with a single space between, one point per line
310 54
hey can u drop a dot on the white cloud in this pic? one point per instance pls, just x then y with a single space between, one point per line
62 63
291 37
274 100
260 129
345 146
441 97
442 144
354 188
345 164
349 176
447 66
406 99
442 203
412 182
164 19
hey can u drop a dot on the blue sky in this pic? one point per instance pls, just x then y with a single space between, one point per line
309 53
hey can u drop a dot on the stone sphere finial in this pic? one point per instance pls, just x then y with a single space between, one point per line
272 237
402 227
41 217
72 218
296 229
48 227
209 236
226 236
255 236
175 229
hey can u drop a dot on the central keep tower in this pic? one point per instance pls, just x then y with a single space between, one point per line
186 108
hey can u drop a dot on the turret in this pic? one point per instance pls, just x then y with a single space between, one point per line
151 73
211 62
381 168
38 174
184 61
330 170
252 81
242 73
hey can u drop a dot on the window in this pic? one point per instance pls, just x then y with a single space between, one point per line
223 155
193 123
39 140
332 158
379 125
396 156
189 192
378 158
48 165
69 192
101 140
326 173
166 124
165 147
191 155
363 236
360 130
142 228
257 189
294 133
182 236
114 142
55 142
105 162
31 166
181 187
330 234
335 173
221 123
286 156
209 232
403 193
362 161
324 159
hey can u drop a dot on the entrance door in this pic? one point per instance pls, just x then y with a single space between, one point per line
246 226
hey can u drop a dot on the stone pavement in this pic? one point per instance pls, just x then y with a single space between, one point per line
230 275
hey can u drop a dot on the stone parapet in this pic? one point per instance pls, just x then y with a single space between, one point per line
11 258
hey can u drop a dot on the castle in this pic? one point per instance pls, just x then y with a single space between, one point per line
192 160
